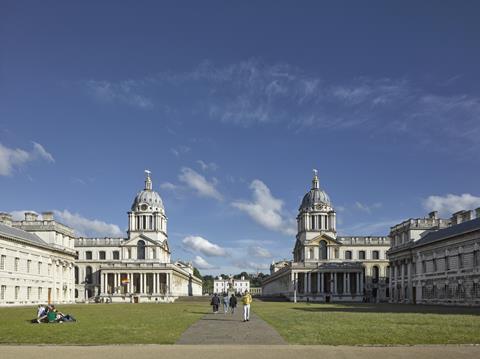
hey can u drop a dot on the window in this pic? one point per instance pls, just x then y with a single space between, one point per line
29 264
17 292
323 250
39 293
49 269
116 255
434 263
101 255
375 255
88 255
17 261
348 254
141 249
88 274
3 258
154 253
311 253
361 254
460 260
447 263
29 292
76 275
3 290
129 253
39 268
424 266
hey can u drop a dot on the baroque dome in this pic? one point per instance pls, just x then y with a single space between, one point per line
147 200
315 196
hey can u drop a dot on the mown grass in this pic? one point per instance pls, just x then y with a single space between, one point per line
103 324
363 324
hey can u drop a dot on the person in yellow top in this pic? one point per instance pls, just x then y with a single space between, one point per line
246 300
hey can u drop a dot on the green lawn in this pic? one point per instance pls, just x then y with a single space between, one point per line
384 324
103 324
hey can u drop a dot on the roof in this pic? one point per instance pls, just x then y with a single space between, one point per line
21 234
456 230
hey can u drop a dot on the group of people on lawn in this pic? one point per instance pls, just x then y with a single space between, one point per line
50 314
230 303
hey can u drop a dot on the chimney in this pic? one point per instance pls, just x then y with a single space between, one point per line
47 216
30 216
433 215
6 218
467 216
457 217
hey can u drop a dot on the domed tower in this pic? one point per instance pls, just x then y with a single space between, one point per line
148 214
316 220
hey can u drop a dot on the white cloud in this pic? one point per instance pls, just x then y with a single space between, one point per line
260 252
245 264
212 166
201 263
367 208
180 150
124 92
451 203
11 159
199 183
266 210
204 246
168 186
88 227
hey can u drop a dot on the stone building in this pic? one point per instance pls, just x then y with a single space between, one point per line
36 260
223 285
327 267
136 268
435 260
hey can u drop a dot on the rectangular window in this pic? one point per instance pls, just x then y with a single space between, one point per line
17 292
361 255
49 269
29 292
17 262
39 293
102 255
3 259
460 260
3 290
375 255
29 264
116 255
434 264
447 263
424 266
39 267
88 255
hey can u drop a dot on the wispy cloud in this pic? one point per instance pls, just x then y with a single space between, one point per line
451 203
180 150
200 184
367 208
11 159
266 210
127 92
204 246
201 263
259 252
210 166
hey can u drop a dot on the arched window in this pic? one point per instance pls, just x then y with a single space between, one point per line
76 275
348 254
361 254
140 250
88 274
375 255
323 250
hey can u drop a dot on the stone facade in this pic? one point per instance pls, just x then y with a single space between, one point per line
327 267
36 261
223 285
436 261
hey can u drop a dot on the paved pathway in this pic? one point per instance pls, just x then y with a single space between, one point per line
230 329
238 351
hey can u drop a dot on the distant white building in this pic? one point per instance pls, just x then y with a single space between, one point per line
36 260
223 285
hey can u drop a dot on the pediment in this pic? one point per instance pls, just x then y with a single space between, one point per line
134 240
331 240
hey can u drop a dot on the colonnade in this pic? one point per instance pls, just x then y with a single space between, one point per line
143 285
327 283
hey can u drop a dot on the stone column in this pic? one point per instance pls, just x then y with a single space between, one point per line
347 281
141 283
155 283
322 289
390 286
102 283
345 275
318 283
402 278
305 282
357 280
362 285
309 282
409 282
334 289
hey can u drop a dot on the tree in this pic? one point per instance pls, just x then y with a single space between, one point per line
196 273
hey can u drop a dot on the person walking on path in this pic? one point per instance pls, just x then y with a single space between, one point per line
233 303
246 300
225 303
215 303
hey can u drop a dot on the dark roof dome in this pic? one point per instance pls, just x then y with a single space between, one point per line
315 196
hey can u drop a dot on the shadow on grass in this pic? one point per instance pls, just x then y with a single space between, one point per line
389 308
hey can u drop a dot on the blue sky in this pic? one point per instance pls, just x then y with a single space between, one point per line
231 105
